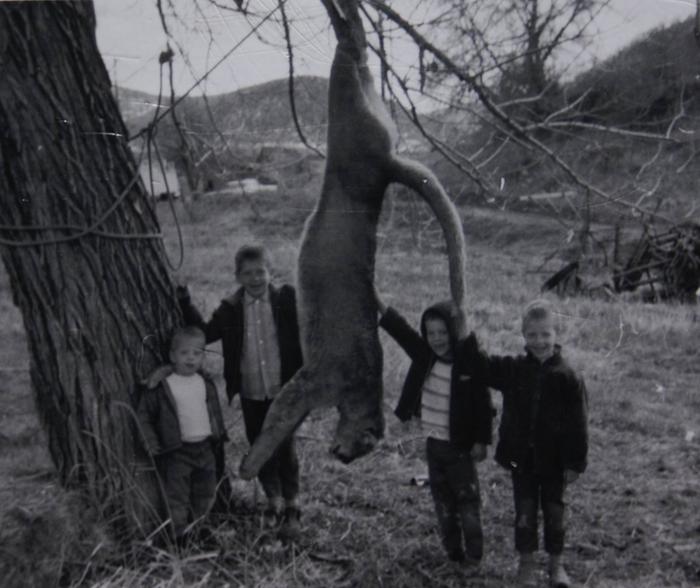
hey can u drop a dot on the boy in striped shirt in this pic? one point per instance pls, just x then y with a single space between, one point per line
445 387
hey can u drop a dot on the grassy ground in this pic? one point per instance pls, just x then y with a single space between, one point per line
633 515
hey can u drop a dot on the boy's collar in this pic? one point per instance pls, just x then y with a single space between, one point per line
237 296
249 299
445 360
554 358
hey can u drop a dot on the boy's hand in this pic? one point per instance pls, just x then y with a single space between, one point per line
182 292
570 476
478 452
152 450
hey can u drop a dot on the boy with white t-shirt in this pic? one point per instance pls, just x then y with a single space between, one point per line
181 421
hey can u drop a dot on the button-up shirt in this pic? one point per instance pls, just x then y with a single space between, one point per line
260 361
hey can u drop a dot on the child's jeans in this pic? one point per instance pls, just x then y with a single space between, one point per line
280 474
189 481
532 491
455 488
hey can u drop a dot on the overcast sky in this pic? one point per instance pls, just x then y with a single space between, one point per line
130 37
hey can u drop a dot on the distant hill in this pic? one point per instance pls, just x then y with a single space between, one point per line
643 89
134 104
251 131
259 114
642 84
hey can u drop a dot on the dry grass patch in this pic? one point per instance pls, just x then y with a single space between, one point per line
633 514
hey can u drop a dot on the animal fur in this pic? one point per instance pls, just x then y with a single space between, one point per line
337 310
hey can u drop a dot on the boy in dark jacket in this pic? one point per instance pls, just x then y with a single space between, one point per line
445 387
181 421
543 438
259 333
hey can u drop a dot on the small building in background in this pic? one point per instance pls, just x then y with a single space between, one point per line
164 181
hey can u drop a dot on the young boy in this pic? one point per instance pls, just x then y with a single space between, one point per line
543 439
258 329
181 421
445 387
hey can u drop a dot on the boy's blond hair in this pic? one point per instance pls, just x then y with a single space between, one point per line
185 333
538 310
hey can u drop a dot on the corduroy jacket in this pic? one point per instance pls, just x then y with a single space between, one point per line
471 414
227 325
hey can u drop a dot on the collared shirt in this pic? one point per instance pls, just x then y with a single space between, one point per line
260 360
190 395
435 401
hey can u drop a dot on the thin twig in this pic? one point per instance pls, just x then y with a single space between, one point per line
290 80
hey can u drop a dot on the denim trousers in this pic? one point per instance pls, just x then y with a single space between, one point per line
454 484
189 482
532 492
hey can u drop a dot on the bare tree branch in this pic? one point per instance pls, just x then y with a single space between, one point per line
515 128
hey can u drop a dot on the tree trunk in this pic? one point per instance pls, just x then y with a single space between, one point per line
81 244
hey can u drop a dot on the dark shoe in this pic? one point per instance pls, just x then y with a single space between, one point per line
471 562
291 529
205 538
456 555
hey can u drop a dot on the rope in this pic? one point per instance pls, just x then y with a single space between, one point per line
149 131
206 74
82 231
165 57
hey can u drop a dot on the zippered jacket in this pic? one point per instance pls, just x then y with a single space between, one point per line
471 414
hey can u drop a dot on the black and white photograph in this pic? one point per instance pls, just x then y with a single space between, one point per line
349 293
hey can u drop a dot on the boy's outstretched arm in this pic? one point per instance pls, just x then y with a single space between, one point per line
398 328
213 329
497 371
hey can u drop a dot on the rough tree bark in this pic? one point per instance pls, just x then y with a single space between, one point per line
81 246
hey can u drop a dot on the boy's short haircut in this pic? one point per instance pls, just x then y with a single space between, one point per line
184 333
251 253
536 310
